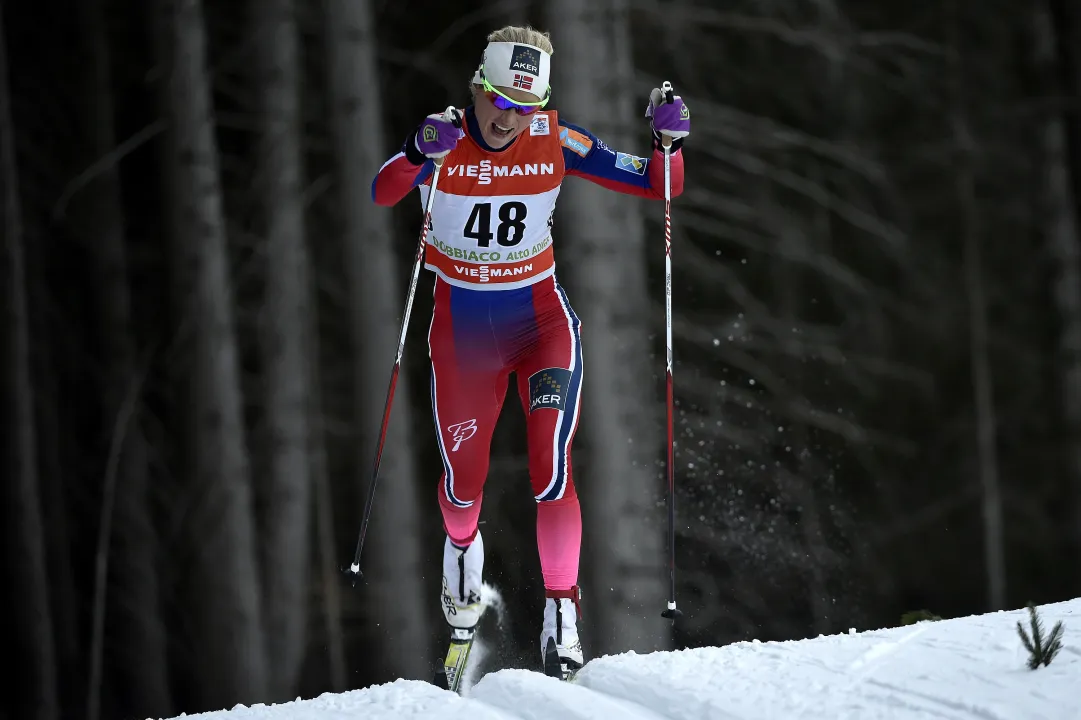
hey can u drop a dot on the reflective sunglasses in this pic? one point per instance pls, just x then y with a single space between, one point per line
503 102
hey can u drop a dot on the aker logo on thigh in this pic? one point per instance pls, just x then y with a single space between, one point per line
548 389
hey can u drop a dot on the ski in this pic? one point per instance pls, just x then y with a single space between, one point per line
461 642
557 668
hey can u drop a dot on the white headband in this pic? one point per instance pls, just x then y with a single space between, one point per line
515 65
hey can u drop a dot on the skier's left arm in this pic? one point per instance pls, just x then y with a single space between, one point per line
586 156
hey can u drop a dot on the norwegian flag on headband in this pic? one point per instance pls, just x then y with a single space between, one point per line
523 81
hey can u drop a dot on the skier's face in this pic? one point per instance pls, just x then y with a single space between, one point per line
499 127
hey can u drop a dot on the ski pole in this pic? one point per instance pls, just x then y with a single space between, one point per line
666 141
451 114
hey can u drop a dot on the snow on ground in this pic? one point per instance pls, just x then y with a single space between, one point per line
970 668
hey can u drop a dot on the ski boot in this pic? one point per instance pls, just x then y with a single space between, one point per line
463 605
561 649
461 595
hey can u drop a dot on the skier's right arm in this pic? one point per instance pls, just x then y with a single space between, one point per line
413 165
399 175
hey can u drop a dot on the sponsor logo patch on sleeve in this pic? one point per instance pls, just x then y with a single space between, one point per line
631 163
575 141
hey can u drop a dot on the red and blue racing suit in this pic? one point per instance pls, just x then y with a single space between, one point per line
499 310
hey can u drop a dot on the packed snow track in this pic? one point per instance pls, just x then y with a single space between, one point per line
970 668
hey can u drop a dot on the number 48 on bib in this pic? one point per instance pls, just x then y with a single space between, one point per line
509 231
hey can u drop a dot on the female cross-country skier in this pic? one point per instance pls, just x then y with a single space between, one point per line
498 307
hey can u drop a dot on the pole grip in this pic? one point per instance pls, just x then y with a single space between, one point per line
669 97
669 93
453 115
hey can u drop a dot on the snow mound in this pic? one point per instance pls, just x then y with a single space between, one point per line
971 667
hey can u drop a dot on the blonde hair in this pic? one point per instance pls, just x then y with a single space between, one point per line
524 34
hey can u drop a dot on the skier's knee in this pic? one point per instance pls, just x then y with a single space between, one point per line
562 493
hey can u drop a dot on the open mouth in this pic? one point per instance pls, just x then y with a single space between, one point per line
501 132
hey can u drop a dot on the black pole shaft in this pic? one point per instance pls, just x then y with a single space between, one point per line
417 263
671 611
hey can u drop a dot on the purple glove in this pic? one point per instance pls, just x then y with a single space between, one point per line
439 133
668 118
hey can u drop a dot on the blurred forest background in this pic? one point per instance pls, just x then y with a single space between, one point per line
877 334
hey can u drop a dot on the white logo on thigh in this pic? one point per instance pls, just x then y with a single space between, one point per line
460 432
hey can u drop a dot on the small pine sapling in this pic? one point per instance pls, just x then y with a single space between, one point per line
914 616
1041 651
